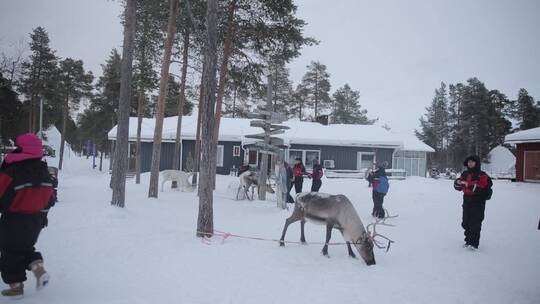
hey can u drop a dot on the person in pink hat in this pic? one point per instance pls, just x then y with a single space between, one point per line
26 194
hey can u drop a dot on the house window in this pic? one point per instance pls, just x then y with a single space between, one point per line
413 162
219 156
307 156
364 160
236 151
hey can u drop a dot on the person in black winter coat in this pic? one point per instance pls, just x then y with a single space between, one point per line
290 182
474 183
316 175
26 194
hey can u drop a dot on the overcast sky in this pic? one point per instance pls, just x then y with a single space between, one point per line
394 52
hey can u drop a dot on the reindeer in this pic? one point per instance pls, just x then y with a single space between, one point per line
250 180
336 212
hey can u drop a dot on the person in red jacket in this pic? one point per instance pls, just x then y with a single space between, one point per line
316 175
298 173
26 194
475 185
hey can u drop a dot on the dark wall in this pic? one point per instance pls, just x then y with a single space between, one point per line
188 148
345 158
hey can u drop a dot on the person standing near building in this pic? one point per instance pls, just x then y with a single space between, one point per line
380 187
26 194
476 187
316 175
298 172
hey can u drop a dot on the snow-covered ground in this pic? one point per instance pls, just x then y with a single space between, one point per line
148 252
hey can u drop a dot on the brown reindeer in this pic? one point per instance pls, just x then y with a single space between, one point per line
335 212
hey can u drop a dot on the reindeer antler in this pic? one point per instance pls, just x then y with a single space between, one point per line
374 234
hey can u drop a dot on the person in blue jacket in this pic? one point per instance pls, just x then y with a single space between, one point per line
380 188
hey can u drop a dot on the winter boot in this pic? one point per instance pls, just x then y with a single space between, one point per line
42 277
15 291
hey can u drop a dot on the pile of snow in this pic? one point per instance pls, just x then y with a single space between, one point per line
53 139
300 132
501 162
148 252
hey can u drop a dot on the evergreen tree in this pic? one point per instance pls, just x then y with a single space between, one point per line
281 86
39 80
299 101
316 83
12 115
171 102
73 85
524 111
347 109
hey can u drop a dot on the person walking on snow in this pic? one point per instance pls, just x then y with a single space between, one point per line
380 188
316 175
298 172
476 187
26 194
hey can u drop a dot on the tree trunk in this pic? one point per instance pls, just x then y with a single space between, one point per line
205 222
197 154
221 88
178 144
122 134
101 161
65 111
140 110
163 83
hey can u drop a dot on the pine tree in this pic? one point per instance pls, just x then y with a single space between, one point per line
299 101
347 109
38 80
163 83
316 83
12 114
120 164
525 111
73 85
282 90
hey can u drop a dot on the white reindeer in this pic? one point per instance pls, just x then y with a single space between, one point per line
249 180
180 177
336 212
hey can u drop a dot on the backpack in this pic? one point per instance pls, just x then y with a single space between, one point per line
383 185
488 192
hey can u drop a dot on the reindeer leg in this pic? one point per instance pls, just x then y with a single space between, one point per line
302 235
351 253
329 227
295 217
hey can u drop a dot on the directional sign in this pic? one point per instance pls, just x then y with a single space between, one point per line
256 136
265 124
263 148
276 141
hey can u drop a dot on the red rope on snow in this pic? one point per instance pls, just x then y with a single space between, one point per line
226 235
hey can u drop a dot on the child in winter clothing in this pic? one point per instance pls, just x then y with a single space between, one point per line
380 188
26 194
298 172
316 175
475 185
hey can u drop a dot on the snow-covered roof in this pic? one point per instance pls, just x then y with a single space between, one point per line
300 132
525 136
501 160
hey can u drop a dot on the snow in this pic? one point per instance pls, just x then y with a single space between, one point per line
300 132
530 135
501 161
148 252
54 140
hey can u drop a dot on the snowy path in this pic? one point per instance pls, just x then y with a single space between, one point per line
147 253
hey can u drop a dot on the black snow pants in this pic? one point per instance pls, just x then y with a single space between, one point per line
473 215
378 199
18 235
298 182
316 185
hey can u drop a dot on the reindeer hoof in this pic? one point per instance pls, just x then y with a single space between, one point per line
303 242
281 244
353 257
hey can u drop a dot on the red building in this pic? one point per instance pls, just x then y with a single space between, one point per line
528 154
